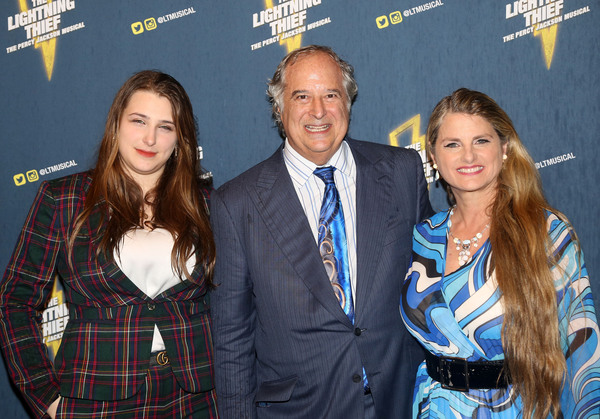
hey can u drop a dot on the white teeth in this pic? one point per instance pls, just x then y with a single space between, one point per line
316 128
470 170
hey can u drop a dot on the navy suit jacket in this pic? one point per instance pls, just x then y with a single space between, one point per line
283 346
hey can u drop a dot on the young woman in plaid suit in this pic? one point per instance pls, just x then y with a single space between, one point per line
132 244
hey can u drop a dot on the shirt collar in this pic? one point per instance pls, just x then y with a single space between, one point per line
301 169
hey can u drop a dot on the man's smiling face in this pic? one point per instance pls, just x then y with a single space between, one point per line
315 112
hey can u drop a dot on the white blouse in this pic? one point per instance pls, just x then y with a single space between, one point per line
145 257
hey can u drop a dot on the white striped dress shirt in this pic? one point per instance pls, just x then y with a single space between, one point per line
310 190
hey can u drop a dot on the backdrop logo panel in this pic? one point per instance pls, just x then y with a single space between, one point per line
383 21
285 23
416 141
408 134
54 319
395 17
555 160
33 175
42 24
151 23
540 18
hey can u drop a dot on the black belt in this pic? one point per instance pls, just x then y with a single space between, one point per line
462 375
159 358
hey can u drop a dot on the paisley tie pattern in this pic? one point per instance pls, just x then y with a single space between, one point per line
332 241
333 245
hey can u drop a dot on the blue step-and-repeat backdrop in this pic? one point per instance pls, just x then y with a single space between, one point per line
62 61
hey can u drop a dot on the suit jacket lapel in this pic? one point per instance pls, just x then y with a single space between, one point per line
278 204
373 187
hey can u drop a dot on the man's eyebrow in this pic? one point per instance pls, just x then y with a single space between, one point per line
295 92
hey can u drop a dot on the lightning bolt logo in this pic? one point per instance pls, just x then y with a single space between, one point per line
48 48
293 42
414 125
59 294
417 142
548 39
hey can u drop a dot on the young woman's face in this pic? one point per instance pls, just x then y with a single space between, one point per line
147 137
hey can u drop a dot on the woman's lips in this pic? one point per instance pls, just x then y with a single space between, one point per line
145 153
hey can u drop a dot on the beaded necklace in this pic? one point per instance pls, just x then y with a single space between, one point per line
464 246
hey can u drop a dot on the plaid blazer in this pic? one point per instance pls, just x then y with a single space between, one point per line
105 349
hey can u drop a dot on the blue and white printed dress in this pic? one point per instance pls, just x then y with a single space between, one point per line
460 315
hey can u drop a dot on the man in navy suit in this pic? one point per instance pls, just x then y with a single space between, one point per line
284 346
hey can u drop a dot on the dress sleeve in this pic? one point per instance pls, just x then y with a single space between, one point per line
24 292
577 324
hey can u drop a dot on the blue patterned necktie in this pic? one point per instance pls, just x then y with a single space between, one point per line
332 241
333 246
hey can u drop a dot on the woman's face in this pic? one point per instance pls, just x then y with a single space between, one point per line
146 137
468 153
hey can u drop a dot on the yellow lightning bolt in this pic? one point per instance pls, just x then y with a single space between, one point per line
293 42
418 141
548 38
413 123
48 47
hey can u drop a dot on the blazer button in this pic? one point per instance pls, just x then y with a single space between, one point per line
357 331
151 306
357 378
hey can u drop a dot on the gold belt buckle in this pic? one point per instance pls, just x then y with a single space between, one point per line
162 358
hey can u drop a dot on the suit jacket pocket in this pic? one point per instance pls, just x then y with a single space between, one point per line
276 390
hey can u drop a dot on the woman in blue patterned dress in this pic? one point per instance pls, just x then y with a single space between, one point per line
498 292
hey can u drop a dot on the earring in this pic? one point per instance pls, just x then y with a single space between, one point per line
434 166
175 152
504 157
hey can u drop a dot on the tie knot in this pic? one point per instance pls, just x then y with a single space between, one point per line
326 174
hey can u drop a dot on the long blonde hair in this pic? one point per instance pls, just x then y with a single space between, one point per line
176 201
520 256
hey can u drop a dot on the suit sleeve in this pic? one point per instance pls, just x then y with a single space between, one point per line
234 317
24 292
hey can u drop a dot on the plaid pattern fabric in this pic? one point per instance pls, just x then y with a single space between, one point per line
106 345
160 397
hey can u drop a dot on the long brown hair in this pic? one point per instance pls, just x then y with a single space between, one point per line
176 201
520 244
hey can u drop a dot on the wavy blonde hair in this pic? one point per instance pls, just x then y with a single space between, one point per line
177 202
520 257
